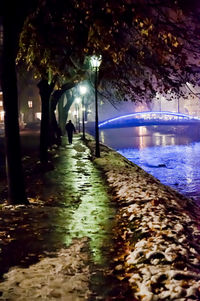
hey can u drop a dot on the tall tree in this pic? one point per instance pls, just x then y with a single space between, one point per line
12 24
45 91
45 55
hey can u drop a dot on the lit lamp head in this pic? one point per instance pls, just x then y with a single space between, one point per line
77 100
30 103
82 90
95 61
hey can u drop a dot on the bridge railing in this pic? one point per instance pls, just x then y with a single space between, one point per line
145 117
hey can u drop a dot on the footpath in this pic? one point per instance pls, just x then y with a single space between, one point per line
98 229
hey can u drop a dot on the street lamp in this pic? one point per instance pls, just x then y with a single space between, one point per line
83 90
77 102
31 111
95 63
30 104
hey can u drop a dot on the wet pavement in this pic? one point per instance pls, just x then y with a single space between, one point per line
69 201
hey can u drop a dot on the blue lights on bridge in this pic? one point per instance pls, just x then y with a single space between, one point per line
149 118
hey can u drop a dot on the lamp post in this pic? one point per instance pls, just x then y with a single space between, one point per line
30 104
83 90
95 63
31 112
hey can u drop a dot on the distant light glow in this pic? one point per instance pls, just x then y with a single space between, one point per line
2 113
158 140
172 141
163 138
1 103
102 137
83 89
38 115
142 132
164 115
30 104
77 100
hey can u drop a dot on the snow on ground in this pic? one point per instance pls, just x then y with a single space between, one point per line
62 277
161 251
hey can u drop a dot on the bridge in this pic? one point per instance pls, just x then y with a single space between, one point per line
149 118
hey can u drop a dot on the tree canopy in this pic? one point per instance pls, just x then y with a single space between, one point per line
147 46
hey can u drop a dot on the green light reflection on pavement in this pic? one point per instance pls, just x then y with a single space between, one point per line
93 217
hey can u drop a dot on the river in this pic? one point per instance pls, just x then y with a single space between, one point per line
171 154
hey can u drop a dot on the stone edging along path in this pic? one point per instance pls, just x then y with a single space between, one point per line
158 229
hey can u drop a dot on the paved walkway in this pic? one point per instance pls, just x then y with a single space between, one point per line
71 209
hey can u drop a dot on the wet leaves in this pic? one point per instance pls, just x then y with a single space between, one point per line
154 234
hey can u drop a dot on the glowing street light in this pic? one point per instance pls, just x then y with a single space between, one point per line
83 91
30 104
31 111
95 63
77 100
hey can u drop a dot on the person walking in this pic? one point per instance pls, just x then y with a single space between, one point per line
70 128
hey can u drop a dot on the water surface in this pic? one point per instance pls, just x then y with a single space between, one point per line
171 154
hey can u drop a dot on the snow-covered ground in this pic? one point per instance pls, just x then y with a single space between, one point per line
159 229
64 277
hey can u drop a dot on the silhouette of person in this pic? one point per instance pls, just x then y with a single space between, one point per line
70 128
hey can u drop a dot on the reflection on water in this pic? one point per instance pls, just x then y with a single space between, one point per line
141 137
171 154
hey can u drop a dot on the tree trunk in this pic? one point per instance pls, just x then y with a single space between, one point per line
63 110
55 130
45 92
15 177
62 114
